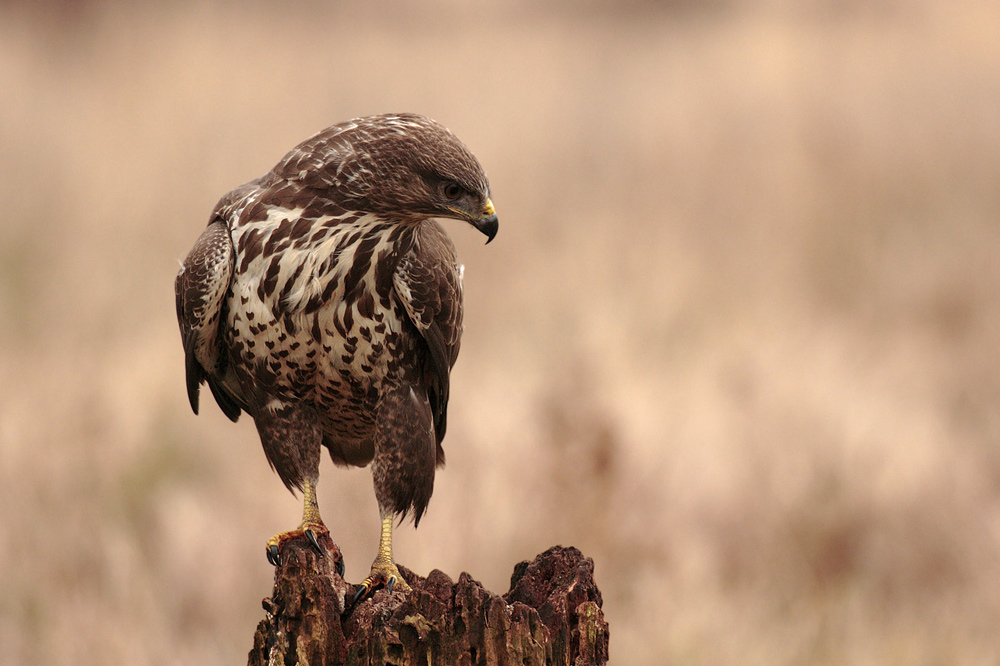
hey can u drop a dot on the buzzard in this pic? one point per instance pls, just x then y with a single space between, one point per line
325 301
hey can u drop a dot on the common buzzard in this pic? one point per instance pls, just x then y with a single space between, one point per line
325 301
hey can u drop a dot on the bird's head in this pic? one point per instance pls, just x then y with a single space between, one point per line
402 166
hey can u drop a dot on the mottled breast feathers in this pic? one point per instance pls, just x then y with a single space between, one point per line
426 281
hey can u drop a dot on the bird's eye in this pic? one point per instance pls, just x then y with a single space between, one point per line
452 190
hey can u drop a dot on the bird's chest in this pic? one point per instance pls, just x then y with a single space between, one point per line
318 321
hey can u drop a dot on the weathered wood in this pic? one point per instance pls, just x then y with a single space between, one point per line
551 616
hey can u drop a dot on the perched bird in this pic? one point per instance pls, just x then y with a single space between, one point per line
325 301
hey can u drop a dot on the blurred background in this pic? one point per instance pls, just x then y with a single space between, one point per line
738 338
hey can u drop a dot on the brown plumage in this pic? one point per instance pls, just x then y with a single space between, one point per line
325 302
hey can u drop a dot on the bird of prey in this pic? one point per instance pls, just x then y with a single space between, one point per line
325 301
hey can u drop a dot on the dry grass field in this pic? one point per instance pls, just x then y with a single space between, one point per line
738 338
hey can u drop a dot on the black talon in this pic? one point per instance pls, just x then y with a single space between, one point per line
390 584
312 540
340 568
272 555
361 591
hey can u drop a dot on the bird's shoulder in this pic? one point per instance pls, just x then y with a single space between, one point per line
200 290
428 280
201 284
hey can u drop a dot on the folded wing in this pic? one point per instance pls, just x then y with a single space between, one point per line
429 283
200 289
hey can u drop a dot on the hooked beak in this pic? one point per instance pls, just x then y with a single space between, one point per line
487 222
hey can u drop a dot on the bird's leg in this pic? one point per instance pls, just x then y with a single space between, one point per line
311 521
312 528
384 570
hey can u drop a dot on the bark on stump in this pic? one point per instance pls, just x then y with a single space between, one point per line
551 616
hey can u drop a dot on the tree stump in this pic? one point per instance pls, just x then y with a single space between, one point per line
550 616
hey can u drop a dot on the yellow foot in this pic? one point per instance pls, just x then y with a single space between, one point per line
383 574
315 533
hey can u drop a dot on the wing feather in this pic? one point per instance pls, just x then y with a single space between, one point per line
200 289
428 281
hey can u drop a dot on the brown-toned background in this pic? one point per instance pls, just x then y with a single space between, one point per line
738 338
